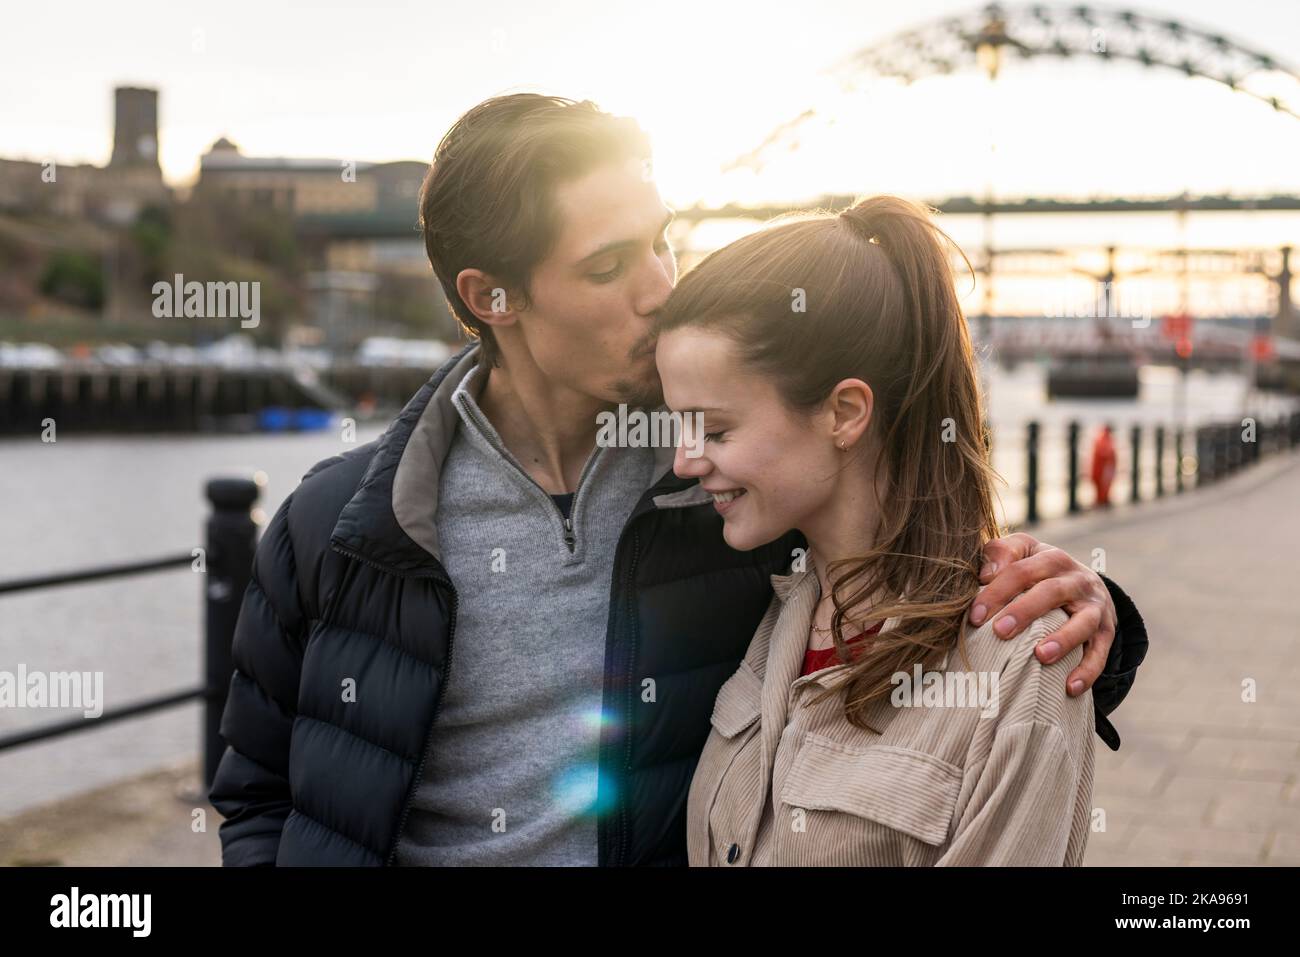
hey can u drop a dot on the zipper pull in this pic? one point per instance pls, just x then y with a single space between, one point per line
568 534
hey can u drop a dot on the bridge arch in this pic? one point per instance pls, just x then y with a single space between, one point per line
986 37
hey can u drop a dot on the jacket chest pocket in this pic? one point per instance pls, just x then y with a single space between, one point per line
739 702
724 789
905 790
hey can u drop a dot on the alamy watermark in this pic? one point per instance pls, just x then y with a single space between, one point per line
75 909
658 429
53 689
1108 301
945 689
211 300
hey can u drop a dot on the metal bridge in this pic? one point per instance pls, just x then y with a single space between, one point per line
984 38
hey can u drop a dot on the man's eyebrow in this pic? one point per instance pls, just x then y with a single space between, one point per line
624 243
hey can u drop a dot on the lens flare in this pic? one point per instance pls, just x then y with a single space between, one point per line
575 789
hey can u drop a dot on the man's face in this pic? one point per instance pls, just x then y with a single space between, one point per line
594 296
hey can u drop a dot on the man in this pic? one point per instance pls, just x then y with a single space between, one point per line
483 639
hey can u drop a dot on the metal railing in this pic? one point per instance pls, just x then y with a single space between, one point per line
227 562
1221 448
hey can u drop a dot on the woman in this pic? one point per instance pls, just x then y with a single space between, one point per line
831 366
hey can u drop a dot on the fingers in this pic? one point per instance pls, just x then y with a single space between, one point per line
1084 624
1001 552
1055 592
1024 580
1090 668
1013 579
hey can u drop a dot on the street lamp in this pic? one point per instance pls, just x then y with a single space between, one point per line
988 48
990 40
988 45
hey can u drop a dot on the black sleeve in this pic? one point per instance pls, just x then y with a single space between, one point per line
251 786
1126 653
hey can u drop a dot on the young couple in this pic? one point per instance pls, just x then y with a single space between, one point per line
484 638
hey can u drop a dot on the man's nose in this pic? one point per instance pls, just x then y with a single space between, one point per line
658 285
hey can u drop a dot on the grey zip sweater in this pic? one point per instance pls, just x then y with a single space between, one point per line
510 775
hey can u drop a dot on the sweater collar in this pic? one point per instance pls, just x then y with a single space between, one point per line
389 521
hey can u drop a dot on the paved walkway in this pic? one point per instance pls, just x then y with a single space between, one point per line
1203 776
143 821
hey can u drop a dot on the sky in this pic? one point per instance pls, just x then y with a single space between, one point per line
383 81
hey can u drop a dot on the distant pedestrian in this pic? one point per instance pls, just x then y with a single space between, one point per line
1103 464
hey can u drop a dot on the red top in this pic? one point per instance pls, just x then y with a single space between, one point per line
825 657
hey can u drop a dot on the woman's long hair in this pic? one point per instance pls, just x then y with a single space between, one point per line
880 305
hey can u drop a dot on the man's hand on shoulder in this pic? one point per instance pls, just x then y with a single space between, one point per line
1024 579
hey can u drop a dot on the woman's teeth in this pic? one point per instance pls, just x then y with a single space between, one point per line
722 497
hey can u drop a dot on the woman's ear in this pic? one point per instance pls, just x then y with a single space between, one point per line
852 404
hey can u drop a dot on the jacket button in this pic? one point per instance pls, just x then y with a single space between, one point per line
733 852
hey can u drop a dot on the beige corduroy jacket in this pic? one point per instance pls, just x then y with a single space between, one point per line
991 765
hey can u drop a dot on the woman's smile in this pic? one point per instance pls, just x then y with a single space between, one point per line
724 499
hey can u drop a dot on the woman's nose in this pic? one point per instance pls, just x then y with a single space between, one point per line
686 465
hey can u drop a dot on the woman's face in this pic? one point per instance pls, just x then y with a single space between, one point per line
783 464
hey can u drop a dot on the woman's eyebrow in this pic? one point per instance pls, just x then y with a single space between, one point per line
624 243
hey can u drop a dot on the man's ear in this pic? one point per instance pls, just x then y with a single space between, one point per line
486 297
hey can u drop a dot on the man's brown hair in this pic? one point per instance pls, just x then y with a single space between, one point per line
488 199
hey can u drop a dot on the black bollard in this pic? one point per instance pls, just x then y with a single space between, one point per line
1135 472
1160 461
1031 489
1233 446
1072 482
231 542
1178 462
